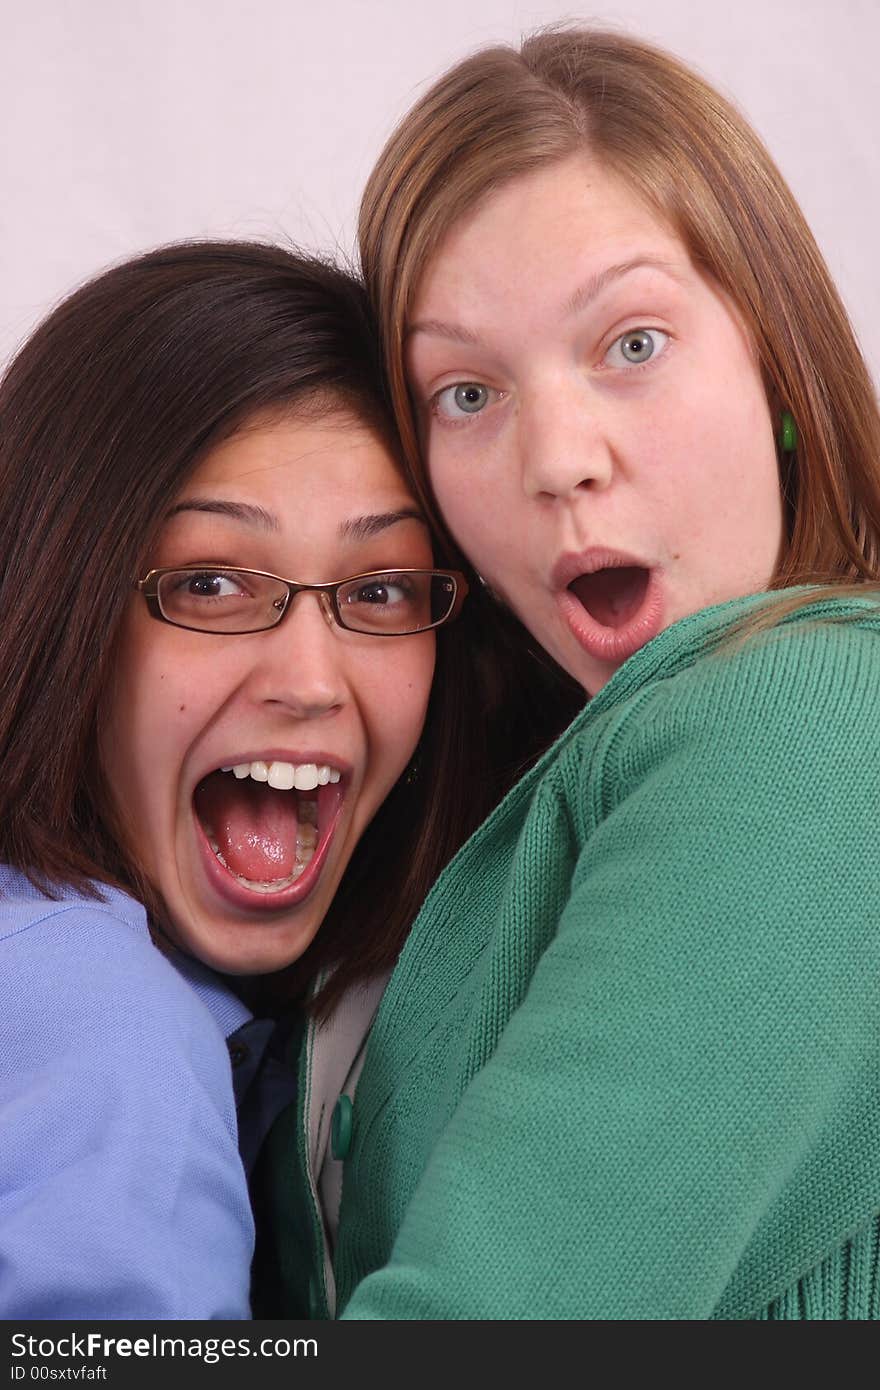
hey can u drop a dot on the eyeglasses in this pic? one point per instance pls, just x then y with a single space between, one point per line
384 603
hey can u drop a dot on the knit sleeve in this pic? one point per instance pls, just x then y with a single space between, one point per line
695 1063
122 1194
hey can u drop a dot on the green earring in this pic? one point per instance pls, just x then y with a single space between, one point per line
788 435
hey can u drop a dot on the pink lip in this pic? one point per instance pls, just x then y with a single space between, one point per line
225 884
610 645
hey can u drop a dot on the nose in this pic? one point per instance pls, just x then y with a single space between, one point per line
563 441
300 664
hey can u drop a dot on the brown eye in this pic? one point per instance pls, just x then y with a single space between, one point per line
209 586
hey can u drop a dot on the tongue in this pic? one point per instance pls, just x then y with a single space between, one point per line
253 824
612 596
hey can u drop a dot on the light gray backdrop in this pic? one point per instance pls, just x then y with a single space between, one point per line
131 122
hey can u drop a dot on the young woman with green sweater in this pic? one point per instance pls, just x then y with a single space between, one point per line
628 1063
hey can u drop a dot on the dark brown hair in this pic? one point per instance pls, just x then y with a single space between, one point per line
503 113
104 413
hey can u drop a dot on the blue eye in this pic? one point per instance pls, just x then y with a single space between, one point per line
463 399
635 346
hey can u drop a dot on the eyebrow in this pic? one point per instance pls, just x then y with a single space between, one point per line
361 528
358 528
438 329
246 512
592 288
578 301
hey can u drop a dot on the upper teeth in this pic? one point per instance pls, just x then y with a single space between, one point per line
304 776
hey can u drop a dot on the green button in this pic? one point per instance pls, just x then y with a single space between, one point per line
340 1128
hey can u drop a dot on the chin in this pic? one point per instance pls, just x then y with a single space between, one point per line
241 946
261 953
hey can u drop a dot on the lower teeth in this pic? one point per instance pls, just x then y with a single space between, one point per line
272 885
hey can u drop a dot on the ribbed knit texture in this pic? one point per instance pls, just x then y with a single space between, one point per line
629 1063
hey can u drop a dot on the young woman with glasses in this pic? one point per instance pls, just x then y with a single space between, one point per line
222 613
628 1065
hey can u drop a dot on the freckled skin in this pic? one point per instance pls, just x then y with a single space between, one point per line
185 703
672 461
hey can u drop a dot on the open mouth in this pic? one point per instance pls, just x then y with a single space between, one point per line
612 596
611 609
269 824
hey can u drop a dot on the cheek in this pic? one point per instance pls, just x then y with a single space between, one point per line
714 455
394 698
148 721
474 498
443 475
741 490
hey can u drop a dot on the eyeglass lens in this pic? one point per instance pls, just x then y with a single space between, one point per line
236 601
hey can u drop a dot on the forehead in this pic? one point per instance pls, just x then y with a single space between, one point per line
299 459
571 216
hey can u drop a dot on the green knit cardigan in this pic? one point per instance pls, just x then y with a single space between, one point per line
628 1065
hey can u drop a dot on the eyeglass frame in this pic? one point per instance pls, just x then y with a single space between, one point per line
328 593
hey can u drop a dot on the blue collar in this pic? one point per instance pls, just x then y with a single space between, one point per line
227 1010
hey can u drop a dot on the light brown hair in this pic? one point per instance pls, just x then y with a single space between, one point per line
697 163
